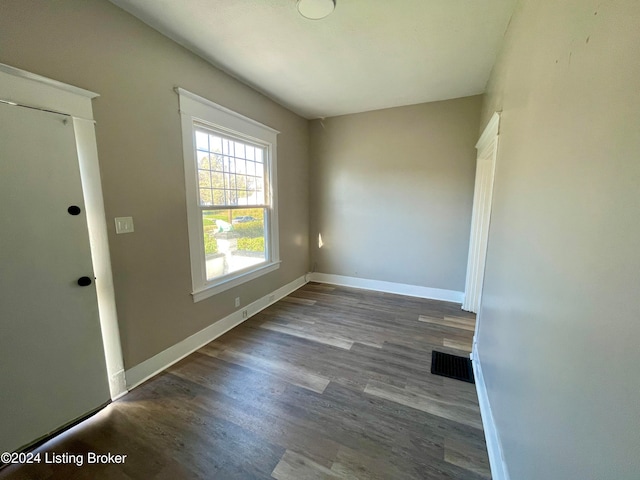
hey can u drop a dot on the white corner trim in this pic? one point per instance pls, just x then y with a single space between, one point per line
156 364
499 469
389 287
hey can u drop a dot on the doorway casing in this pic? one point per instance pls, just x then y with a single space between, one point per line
31 90
487 148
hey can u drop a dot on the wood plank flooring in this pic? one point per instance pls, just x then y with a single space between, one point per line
328 383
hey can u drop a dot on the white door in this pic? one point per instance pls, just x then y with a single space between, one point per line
52 363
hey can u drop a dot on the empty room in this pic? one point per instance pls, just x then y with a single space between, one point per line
320 239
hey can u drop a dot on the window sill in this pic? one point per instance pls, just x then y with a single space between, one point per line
226 284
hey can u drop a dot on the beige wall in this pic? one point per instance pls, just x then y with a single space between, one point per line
560 322
95 45
392 192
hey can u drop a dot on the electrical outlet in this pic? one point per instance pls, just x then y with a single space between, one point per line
237 301
244 314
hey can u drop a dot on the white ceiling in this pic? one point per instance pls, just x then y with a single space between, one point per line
367 55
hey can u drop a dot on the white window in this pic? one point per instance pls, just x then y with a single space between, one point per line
230 172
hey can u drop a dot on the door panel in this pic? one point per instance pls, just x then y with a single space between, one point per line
52 364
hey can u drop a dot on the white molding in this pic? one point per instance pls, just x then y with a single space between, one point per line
163 360
196 109
17 72
100 253
490 132
234 281
389 287
20 87
481 214
118 385
499 469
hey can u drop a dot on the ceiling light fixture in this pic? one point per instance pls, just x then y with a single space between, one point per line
315 9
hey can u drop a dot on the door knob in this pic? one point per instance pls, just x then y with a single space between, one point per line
84 281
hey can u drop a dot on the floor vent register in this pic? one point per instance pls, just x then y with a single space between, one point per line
452 366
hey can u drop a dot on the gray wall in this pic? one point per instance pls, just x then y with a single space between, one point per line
95 45
560 320
392 190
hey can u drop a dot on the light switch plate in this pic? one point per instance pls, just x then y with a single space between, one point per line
124 224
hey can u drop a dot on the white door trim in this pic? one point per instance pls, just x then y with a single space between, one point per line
24 88
487 148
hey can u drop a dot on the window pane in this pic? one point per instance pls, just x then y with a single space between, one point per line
233 240
217 180
251 185
239 150
235 180
216 162
218 197
204 179
203 159
241 185
202 140
251 168
205 196
215 143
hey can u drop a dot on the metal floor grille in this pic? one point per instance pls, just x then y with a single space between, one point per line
452 366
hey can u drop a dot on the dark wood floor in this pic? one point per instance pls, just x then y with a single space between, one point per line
329 383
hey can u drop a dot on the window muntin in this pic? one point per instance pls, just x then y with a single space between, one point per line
230 172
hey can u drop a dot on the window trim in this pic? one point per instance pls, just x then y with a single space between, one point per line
195 109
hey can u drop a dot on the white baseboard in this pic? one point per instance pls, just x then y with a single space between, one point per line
389 287
118 385
156 364
494 446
